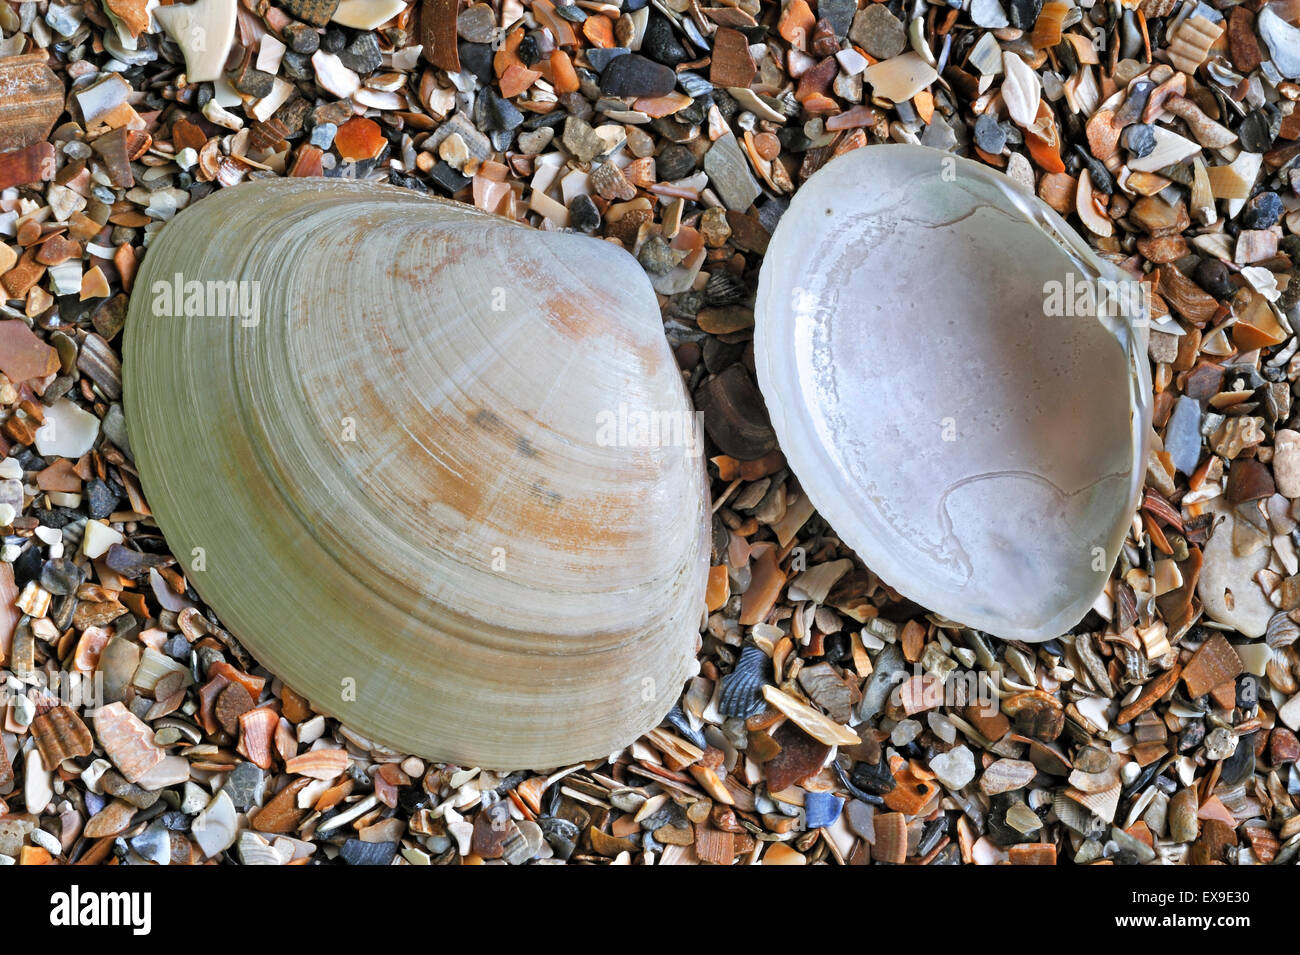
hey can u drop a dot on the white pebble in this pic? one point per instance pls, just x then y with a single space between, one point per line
68 431
98 538
38 783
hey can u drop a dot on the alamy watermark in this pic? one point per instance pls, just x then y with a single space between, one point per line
41 688
1097 298
210 298
629 427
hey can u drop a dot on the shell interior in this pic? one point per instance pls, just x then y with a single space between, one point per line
959 383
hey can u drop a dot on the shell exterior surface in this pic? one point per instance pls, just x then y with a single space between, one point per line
951 403
399 467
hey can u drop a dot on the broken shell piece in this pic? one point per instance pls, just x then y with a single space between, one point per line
402 456
127 741
900 77
1191 43
1170 149
204 31
1227 586
31 100
1021 91
994 496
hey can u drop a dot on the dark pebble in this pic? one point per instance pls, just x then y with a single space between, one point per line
356 852
656 255
1023 13
1191 737
989 136
1097 173
1240 766
1254 133
583 214
839 13
633 76
1139 139
599 58
660 43
101 500
61 576
560 833
674 162
362 54
1213 276
406 182
476 58
1261 212
1000 831
28 566
59 517
494 113
302 38
245 785
793 139
334 41
735 417
29 459
631 6
447 178
571 12
296 66
527 50
874 779
931 834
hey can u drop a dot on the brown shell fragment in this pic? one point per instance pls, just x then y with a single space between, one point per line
127 741
60 734
233 702
1214 663
1155 689
23 356
256 733
322 764
281 814
1243 44
1186 297
714 845
1103 136
438 34
31 100
813 722
800 757
110 820
891 838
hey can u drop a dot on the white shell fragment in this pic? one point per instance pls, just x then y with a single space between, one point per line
441 469
959 383
204 31
68 430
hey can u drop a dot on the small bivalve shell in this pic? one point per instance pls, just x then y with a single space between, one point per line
960 384
436 470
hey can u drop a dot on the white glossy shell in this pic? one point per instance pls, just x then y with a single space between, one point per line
982 454
407 480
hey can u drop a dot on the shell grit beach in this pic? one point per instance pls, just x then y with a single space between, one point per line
650 432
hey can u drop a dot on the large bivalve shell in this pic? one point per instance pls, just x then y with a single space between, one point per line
436 470
949 400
